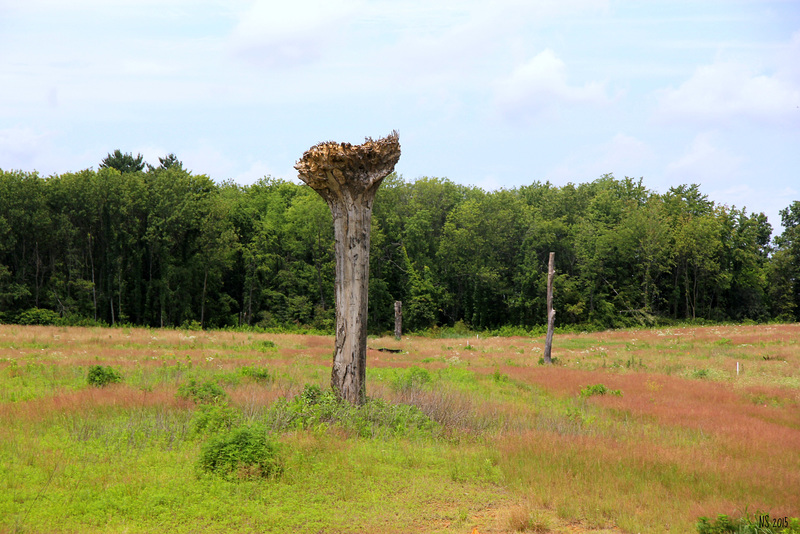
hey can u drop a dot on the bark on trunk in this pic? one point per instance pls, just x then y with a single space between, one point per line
551 313
351 225
398 319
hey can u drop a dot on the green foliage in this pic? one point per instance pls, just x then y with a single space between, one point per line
599 389
167 247
412 378
259 374
207 392
243 453
124 163
214 418
757 524
100 376
315 409
700 373
37 316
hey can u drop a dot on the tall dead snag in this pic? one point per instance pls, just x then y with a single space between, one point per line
398 319
347 177
551 313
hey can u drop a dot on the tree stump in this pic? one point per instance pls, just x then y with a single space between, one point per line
347 177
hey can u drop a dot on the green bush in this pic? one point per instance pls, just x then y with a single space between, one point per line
214 418
259 374
38 316
264 345
599 389
100 376
206 393
243 453
411 378
317 409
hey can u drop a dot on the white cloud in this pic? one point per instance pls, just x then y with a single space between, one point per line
622 155
290 33
21 147
725 91
540 85
706 163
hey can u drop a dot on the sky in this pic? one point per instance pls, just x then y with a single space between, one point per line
494 94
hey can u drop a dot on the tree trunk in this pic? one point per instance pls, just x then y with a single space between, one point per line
551 313
351 224
398 319
347 178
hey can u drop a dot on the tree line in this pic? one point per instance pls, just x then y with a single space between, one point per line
137 244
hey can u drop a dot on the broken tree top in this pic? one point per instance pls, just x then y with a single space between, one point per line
330 165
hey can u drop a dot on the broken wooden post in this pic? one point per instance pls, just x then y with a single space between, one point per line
347 177
398 319
551 313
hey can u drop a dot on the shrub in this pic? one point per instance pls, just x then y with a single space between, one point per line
264 346
205 393
38 316
553 360
599 389
243 453
758 524
317 409
214 418
411 378
256 373
100 376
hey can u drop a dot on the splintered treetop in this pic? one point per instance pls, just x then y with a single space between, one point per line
329 165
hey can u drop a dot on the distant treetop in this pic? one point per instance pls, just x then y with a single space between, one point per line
123 162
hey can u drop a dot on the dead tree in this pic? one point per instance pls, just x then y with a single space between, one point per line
347 177
551 313
398 319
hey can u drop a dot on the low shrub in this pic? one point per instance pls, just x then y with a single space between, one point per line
315 409
214 418
599 389
243 453
757 524
38 316
100 376
202 393
411 378
259 374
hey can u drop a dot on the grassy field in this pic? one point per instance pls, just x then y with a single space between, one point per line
694 422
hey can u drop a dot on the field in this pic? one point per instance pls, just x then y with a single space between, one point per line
693 422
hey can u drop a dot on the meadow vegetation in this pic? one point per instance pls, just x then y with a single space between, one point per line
156 430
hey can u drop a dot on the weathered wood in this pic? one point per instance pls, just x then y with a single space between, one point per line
551 313
347 177
398 319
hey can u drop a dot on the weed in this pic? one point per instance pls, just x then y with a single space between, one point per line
498 377
259 374
758 524
100 376
264 345
411 379
525 519
315 409
554 360
202 393
700 373
243 453
214 418
599 389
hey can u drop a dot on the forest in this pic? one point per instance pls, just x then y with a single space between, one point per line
132 243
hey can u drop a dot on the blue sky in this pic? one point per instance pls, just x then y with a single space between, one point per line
492 94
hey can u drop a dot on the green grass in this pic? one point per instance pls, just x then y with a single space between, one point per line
450 439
